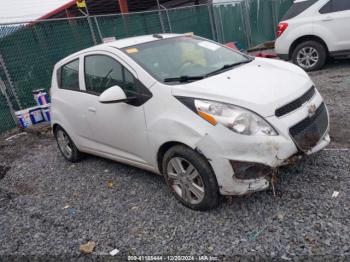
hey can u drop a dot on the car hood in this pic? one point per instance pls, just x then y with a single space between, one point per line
262 85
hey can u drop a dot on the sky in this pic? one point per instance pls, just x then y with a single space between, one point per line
24 10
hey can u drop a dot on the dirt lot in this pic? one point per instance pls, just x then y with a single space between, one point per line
49 207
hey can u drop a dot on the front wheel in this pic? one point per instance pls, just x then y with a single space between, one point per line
190 178
310 55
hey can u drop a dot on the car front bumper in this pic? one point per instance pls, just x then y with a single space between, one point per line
256 155
259 156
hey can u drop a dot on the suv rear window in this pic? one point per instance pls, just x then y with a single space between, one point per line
335 6
297 8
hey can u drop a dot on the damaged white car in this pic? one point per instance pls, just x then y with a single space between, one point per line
210 119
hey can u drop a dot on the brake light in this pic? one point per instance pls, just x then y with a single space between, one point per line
281 28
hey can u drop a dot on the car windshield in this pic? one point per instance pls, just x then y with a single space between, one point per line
184 58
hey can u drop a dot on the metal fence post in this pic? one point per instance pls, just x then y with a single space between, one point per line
168 17
246 22
221 26
160 17
8 101
98 29
8 79
87 15
212 26
274 15
92 30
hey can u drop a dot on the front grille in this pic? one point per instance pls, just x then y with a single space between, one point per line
296 103
308 132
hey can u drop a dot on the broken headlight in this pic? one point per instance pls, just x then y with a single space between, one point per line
239 120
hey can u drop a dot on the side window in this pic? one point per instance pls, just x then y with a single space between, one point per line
69 76
335 6
327 8
341 5
297 8
103 72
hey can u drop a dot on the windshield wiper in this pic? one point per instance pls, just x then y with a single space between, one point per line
183 79
228 66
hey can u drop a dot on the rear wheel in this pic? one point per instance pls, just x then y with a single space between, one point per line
66 145
190 178
310 55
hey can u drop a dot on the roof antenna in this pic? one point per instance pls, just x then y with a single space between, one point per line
158 36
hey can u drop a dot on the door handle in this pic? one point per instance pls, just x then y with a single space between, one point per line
92 109
327 19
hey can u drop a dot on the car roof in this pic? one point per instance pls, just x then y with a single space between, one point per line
122 43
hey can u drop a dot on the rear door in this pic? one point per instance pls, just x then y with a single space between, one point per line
334 16
68 102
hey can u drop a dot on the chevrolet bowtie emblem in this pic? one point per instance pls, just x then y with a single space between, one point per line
312 110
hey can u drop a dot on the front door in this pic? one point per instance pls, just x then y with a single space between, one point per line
119 129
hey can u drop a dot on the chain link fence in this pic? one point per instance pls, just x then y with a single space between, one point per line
29 50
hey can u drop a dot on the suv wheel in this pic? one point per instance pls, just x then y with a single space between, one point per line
190 177
66 145
310 55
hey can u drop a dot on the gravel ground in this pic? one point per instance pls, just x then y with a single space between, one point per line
49 207
334 84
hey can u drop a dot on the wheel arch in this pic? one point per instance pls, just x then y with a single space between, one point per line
69 131
304 39
56 125
163 149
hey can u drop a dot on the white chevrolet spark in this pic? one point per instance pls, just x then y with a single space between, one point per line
212 120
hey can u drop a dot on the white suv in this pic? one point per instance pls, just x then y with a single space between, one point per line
208 118
313 30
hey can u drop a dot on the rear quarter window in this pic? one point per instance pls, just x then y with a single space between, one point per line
297 8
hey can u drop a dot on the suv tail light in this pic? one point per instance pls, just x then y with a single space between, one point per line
281 28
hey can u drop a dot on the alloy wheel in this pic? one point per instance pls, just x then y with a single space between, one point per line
308 57
64 143
185 180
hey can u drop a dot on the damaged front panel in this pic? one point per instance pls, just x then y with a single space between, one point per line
229 154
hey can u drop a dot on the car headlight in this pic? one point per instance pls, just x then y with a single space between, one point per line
239 120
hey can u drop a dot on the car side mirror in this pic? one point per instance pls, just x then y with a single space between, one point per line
112 95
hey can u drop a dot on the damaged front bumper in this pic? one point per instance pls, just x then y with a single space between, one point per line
246 166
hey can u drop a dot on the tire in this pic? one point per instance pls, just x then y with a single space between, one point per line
71 152
310 55
198 189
